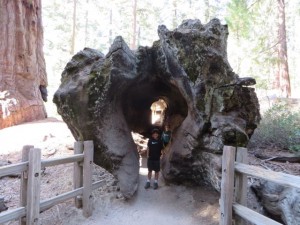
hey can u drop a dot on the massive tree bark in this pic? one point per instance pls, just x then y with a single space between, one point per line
23 78
104 98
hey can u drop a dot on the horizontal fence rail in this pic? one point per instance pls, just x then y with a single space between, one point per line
277 177
234 187
46 204
252 216
13 169
62 160
30 202
12 214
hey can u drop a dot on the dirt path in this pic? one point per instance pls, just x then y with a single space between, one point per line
170 204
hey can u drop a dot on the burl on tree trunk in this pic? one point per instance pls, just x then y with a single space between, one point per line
105 97
23 78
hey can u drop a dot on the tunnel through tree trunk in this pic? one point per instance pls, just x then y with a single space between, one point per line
137 101
105 97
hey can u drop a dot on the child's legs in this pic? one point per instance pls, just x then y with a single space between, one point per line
156 175
153 165
149 174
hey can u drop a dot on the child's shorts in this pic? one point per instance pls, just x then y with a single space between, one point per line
153 165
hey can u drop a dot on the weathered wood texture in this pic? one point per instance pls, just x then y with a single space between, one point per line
87 178
48 203
240 190
12 214
62 160
234 176
253 216
78 173
31 171
277 177
34 182
24 181
13 169
22 64
227 185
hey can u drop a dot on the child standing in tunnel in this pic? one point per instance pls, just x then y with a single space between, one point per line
155 147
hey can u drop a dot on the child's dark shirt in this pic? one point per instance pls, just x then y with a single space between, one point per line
155 148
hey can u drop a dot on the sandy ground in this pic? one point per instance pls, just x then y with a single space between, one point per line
170 204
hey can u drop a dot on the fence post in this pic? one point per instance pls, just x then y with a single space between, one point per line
33 192
24 180
241 183
227 185
87 178
78 173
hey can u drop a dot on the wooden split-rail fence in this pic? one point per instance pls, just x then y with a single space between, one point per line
233 202
233 185
30 171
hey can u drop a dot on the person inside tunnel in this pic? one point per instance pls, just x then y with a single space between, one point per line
151 105
166 135
154 151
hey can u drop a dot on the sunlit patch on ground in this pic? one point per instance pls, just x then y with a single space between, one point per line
208 212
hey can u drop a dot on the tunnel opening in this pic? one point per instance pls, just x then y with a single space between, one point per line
143 102
158 111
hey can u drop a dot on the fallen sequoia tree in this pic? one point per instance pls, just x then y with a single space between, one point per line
105 97
280 202
290 159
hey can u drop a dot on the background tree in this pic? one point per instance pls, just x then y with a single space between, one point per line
282 78
238 20
252 40
22 64
257 54
74 27
134 30
86 33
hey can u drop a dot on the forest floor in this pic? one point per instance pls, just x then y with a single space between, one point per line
169 204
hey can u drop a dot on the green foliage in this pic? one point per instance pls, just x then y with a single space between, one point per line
252 26
239 18
280 128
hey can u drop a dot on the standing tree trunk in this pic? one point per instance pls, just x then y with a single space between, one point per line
139 36
207 8
73 28
86 35
23 78
283 68
110 27
174 19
